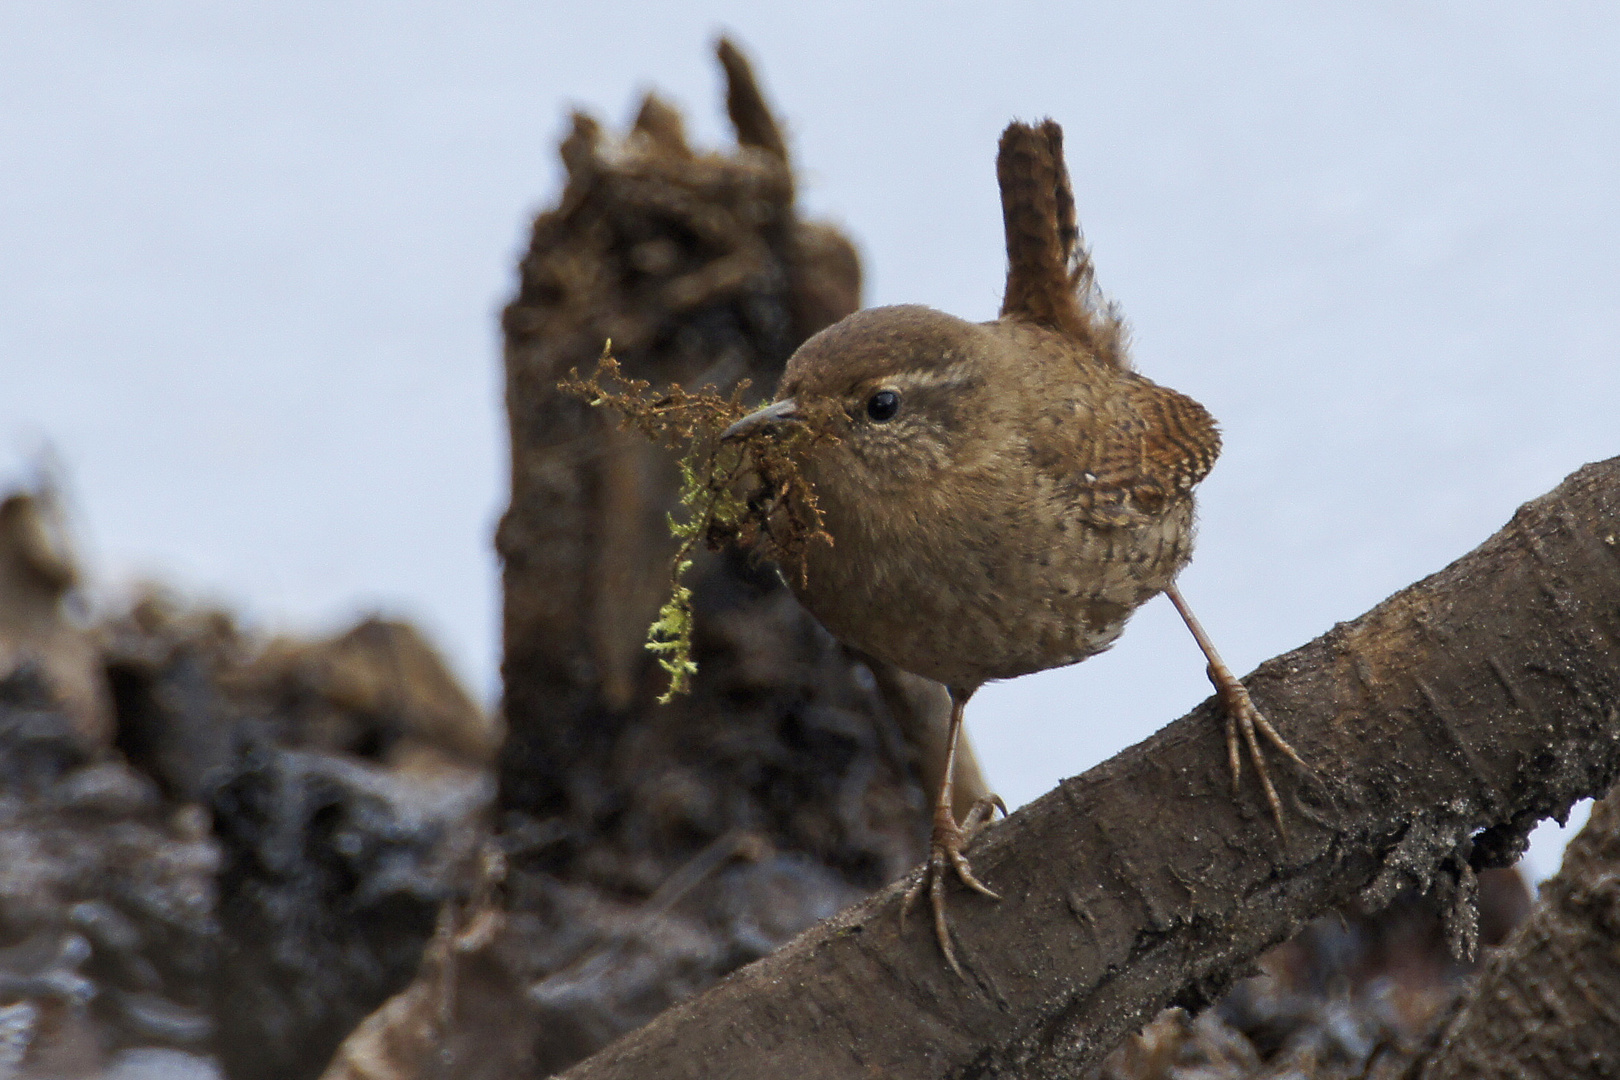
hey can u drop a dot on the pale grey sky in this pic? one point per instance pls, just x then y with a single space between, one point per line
251 256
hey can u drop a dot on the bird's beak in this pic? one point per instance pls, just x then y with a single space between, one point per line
771 416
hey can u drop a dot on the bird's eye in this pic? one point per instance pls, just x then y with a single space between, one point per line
883 405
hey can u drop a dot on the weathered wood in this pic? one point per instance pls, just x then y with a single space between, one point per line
1547 1006
1441 726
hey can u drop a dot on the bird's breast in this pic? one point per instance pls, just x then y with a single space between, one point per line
978 578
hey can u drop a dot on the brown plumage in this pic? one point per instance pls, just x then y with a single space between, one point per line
1049 275
1001 496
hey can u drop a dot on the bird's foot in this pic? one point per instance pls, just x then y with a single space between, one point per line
945 855
1242 716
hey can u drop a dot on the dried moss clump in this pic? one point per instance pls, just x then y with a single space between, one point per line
746 491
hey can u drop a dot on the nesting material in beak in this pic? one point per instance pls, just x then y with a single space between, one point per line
771 417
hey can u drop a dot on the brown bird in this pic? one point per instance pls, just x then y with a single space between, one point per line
1000 496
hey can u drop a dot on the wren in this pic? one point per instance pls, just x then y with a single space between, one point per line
1000 496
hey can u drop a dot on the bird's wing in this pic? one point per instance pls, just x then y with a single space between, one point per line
1147 446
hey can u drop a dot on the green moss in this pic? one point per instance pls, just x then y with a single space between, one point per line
748 491
670 637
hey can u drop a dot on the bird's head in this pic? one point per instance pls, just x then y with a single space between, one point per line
890 397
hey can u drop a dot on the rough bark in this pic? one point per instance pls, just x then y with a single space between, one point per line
1548 1005
1441 726
698 268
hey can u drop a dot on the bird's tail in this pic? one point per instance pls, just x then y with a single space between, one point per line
745 103
1050 280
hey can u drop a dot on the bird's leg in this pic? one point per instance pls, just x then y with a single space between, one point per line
945 851
1241 715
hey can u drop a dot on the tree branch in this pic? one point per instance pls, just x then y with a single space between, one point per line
1547 1005
1440 725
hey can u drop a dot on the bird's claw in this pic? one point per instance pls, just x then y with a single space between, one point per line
980 815
1242 716
944 856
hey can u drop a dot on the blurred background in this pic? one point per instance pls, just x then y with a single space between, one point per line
251 258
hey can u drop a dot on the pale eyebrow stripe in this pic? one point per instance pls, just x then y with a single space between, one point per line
958 374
